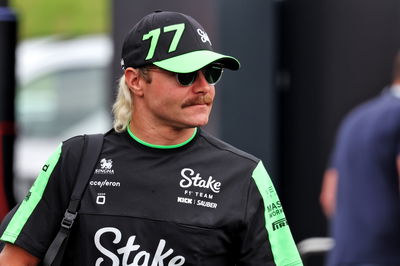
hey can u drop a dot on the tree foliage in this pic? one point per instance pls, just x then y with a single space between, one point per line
61 17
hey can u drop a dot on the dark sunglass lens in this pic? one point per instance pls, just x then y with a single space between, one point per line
212 74
186 79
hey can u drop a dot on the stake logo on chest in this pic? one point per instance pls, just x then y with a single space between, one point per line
198 190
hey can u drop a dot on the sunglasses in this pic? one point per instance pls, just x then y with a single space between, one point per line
212 73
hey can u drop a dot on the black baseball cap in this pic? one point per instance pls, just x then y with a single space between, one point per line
172 41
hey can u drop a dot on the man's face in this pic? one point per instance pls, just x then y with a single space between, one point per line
168 103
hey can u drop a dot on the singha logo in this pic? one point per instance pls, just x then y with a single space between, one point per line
105 165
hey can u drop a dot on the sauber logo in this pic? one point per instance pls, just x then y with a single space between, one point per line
192 179
140 257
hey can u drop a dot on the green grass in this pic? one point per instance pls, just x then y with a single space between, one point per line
66 17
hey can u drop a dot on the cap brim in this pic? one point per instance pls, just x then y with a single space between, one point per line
196 60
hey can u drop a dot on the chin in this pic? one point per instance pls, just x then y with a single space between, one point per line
197 119
198 123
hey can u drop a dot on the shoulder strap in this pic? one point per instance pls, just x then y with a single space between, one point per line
91 151
90 156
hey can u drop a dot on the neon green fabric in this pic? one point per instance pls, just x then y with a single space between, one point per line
194 61
32 199
161 146
282 244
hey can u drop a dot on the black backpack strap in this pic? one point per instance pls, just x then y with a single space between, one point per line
90 154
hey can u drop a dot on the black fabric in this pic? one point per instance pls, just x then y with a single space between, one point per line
137 48
5 221
91 151
197 204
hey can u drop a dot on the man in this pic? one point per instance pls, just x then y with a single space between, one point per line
164 192
360 191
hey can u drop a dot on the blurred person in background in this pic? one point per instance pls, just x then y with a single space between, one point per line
360 191
164 192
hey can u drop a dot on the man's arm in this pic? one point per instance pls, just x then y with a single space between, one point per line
327 197
13 255
267 237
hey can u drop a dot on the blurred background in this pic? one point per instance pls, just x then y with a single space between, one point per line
305 64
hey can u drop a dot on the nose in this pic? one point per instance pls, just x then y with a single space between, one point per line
201 85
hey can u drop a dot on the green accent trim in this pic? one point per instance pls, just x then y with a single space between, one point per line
178 28
282 244
35 194
196 60
154 35
161 146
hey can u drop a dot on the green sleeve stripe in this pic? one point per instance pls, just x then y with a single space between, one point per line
30 202
283 246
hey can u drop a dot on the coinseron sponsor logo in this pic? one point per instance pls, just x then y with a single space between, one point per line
104 183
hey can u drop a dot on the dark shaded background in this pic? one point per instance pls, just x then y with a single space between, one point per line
305 64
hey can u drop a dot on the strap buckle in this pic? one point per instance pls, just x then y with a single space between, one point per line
68 219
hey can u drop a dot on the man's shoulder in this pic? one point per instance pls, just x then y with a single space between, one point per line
74 144
379 107
77 140
223 146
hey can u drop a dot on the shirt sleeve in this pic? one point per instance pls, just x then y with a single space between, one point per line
267 236
35 221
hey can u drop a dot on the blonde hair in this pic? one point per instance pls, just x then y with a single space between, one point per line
122 107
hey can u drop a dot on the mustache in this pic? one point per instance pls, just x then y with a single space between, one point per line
203 99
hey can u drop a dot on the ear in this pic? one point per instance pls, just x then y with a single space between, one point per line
134 80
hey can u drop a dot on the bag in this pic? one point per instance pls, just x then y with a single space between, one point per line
92 145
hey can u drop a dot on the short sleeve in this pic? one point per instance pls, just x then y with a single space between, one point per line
33 224
267 236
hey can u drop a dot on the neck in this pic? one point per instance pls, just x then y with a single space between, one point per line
163 136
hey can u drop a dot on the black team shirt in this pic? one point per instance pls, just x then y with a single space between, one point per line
203 202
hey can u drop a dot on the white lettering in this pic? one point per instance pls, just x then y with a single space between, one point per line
184 200
207 204
129 247
188 182
146 258
204 195
159 257
104 171
189 179
105 183
188 192
176 261
142 258
109 254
